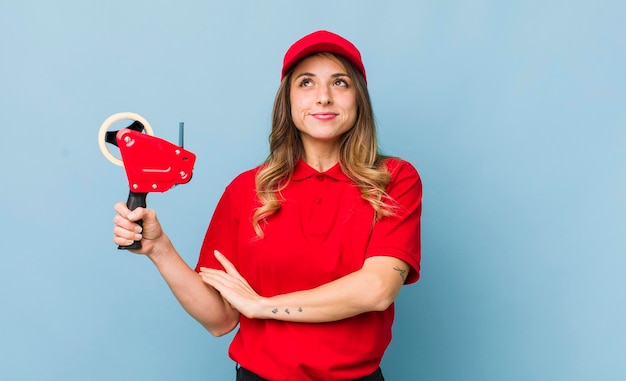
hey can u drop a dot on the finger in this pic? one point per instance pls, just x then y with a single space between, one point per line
216 281
228 266
124 223
223 278
126 234
122 241
224 282
137 214
133 215
121 208
208 270
124 212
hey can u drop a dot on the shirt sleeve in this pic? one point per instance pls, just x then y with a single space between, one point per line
399 235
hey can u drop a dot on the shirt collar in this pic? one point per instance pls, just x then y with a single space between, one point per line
303 171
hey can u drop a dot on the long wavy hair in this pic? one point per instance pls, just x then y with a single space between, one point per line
360 158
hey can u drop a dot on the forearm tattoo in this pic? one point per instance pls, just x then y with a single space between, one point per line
287 311
402 273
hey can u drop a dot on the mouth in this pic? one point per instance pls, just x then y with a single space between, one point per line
324 115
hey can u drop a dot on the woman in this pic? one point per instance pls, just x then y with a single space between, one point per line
307 252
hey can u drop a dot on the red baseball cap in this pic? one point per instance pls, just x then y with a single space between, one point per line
322 41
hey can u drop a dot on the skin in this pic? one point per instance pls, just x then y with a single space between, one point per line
323 108
201 301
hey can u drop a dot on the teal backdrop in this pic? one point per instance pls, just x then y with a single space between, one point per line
514 113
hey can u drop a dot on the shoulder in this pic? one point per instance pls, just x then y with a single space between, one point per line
246 176
399 168
245 181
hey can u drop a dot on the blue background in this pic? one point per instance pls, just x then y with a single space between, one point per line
513 112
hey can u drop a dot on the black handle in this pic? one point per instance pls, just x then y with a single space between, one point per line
135 200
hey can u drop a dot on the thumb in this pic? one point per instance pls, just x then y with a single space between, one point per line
137 214
146 214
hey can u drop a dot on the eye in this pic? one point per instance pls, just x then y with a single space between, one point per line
305 82
342 82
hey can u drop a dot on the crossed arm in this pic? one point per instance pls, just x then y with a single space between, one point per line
216 298
372 288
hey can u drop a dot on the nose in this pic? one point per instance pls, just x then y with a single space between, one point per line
324 96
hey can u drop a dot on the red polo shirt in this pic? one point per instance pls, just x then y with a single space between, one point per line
323 231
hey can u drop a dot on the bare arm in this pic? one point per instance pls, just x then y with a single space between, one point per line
372 288
200 300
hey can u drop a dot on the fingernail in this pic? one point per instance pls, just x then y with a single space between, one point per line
130 216
138 229
138 237
216 252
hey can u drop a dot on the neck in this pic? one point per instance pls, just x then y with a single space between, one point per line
321 163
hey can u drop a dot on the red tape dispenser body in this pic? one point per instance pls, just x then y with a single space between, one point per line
152 164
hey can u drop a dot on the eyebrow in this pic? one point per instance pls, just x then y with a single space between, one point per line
309 74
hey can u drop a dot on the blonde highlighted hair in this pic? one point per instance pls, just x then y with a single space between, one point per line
360 159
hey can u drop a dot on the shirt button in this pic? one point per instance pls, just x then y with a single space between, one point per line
318 200
320 177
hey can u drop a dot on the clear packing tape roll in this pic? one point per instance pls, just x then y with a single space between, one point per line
114 119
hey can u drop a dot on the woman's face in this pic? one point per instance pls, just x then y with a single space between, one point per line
323 101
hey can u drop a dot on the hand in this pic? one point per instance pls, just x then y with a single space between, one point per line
126 230
233 287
